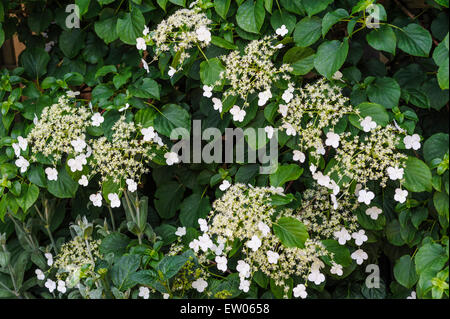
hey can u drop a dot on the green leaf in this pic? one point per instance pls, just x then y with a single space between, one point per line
34 60
145 117
440 201
172 116
384 91
115 243
285 173
283 17
330 57
222 7
300 59
430 258
376 111
192 208
64 187
341 253
146 88
291 232
414 40
405 272
418 176
307 31
168 198
71 42
169 266
331 18
104 70
250 15
28 197
222 43
313 7
436 147
106 26
122 270
383 39
130 27
210 71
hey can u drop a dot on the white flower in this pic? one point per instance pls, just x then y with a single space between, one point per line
359 237
16 148
83 181
238 114
283 109
395 173
359 255
50 285
221 263
194 245
412 296
282 31
342 236
171 158
367 124
205 242
126 107
264 97
203 225
338 75
373 212
52 173
290 130
316 277
172 71
78 145
243 269
265 230
207 91
322 180
365 196
400 195
337 269
218 250
269 130
200 285
300 291
217 104
144 292
72 93
97 119
244 285
412 141
158 140
96 199
148 133
254 243
140 44
224 186
299 156
332 140
358 187
320 150
272 257
132 185
181 231
23 143
312 168
22 163
62 286
146 30
39 274
334 201
203 34
35 119
288 95
166 296
49 258
114 199
145 65
76 164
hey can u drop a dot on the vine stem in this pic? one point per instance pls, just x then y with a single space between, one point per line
111 215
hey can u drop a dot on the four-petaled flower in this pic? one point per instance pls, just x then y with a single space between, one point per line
224 186
140 44
97 119
200 285
96 199
342 236
148 133
367 124
359 255
282 31
365 196
359 237
332 139
83 181
114 199
203 34
144 292
22 163
373 212
207 91
254 243
132 185
395 173
300 291
221 263
217 104
264 97
412 142
401 195
299 156
272 257
181 231
269 130
52 173
238 114
171 158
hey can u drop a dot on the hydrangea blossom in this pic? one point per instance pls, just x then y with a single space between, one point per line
181 231
148 133
50 285
52 173
171 158
359 237
207 91
300 291
83 181
39 274
97 119
114 199
332 140
272 257
282 31
359 255
337 269
96 199
217 104
395 173
400 195
299 156
144 292
238 114
22 163
200 285
367 124
412 142
254 243
132 185
221 263
365 196
342 236
225 185
373 212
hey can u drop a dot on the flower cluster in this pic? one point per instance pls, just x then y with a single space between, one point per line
254 71
183 30
245 215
